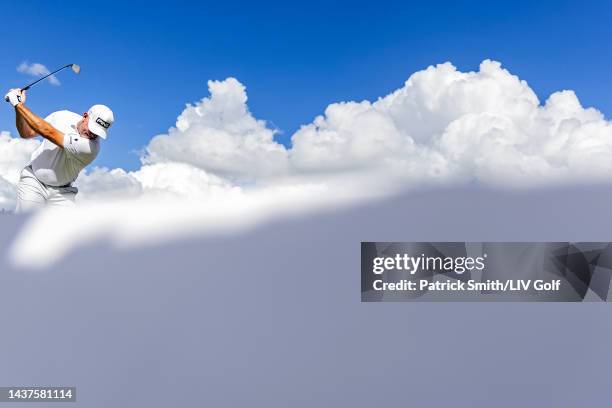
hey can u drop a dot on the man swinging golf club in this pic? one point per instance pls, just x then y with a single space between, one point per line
71 143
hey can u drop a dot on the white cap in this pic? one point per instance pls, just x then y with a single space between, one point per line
100 118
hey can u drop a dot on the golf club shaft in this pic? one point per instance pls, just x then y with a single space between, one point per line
46 76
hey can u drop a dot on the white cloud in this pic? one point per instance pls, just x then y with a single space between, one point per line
102 183
442 127
183 181
220 135
14 155
7 194
445 124
168 180
37 70
350 135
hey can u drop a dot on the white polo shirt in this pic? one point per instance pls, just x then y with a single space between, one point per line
55 166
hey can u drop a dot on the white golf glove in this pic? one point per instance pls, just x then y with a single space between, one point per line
15 97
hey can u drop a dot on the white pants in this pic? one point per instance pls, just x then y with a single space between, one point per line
32 194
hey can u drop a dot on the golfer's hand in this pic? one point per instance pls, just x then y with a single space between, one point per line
15 97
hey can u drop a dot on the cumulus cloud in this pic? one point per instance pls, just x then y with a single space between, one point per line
37 70
102 183
161 180
442 127
221 136
487 126
14 155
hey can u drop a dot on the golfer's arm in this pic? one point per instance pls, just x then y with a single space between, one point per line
25 131
40 126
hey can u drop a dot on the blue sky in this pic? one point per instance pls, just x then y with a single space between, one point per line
146 61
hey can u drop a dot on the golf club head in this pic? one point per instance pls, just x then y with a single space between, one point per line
76 68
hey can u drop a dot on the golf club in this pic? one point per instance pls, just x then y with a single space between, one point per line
75 68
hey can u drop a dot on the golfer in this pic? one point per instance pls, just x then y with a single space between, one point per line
71 143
